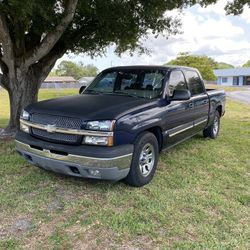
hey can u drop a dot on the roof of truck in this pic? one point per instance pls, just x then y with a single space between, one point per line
160 67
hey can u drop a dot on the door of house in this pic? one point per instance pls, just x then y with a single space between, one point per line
235 80
247 80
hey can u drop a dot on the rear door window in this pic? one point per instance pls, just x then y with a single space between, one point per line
194 82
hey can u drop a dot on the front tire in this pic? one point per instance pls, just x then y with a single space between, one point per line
213 130
144 162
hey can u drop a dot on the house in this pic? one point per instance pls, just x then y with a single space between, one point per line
235 76
60 82
60 79
86 80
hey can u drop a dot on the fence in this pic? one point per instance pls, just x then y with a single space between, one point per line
61 85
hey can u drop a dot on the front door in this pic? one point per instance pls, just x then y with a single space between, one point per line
179 115
235 80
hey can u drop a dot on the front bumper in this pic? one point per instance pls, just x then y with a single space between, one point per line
107 163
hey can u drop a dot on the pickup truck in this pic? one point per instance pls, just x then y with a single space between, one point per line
117 126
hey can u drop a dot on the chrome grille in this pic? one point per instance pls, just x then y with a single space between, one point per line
58 121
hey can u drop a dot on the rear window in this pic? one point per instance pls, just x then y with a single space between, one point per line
194 82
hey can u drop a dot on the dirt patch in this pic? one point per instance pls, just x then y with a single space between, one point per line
95 237
15 227
55 205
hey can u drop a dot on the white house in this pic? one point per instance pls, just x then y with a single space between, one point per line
86 80
235 76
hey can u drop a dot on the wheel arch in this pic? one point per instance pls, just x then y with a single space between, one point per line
219 109
157 132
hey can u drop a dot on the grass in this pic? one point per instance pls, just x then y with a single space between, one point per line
227 88
198 199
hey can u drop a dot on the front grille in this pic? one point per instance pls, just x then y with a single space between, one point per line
58 121
57 137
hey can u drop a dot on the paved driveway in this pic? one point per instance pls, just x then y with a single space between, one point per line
242 96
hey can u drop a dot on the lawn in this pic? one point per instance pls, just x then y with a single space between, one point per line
199 198
227 88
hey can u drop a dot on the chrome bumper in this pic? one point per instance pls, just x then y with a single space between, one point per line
76 165
121 162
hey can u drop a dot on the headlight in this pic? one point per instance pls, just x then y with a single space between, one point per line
98 140
101 125
25 115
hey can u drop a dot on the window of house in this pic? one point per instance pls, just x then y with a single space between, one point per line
194 82
224 79
176 81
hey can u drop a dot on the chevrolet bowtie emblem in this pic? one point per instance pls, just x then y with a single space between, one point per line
51 128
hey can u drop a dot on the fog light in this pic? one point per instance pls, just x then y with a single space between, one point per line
94 172
24 128
98 140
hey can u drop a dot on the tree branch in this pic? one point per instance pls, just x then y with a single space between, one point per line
3 66
42 68
4 81
6 43
52 38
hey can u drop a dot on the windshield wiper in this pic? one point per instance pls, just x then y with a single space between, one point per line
92 91
126 94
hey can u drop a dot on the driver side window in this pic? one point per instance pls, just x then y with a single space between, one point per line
176 81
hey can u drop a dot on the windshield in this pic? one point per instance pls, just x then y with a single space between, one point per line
136 83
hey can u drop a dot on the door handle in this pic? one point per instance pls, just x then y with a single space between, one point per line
190 105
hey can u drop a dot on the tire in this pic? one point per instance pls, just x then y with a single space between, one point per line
144 161
213 130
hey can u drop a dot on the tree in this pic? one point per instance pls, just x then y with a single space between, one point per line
222 65
203 63
35 33
246 64
68 68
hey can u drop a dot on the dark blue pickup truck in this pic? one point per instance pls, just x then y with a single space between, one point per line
116 127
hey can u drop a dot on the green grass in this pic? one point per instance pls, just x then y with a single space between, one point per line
227 88
198 199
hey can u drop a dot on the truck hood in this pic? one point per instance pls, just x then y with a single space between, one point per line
90 106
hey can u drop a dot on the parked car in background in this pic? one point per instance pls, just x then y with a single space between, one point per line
117 126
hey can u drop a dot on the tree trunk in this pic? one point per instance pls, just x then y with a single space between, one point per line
21 95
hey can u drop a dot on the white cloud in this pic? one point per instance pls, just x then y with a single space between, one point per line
246 15
206 31
218 8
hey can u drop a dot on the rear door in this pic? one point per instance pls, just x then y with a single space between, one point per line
199 98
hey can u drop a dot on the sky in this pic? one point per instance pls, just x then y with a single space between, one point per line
205 31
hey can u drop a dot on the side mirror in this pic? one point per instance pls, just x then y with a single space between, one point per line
181 95
82 89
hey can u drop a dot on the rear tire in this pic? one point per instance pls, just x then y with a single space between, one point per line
213 130
144 162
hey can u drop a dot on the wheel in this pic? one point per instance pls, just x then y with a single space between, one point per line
144 162
213 130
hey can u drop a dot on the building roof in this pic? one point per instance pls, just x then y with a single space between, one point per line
86 79
232 72
60 79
